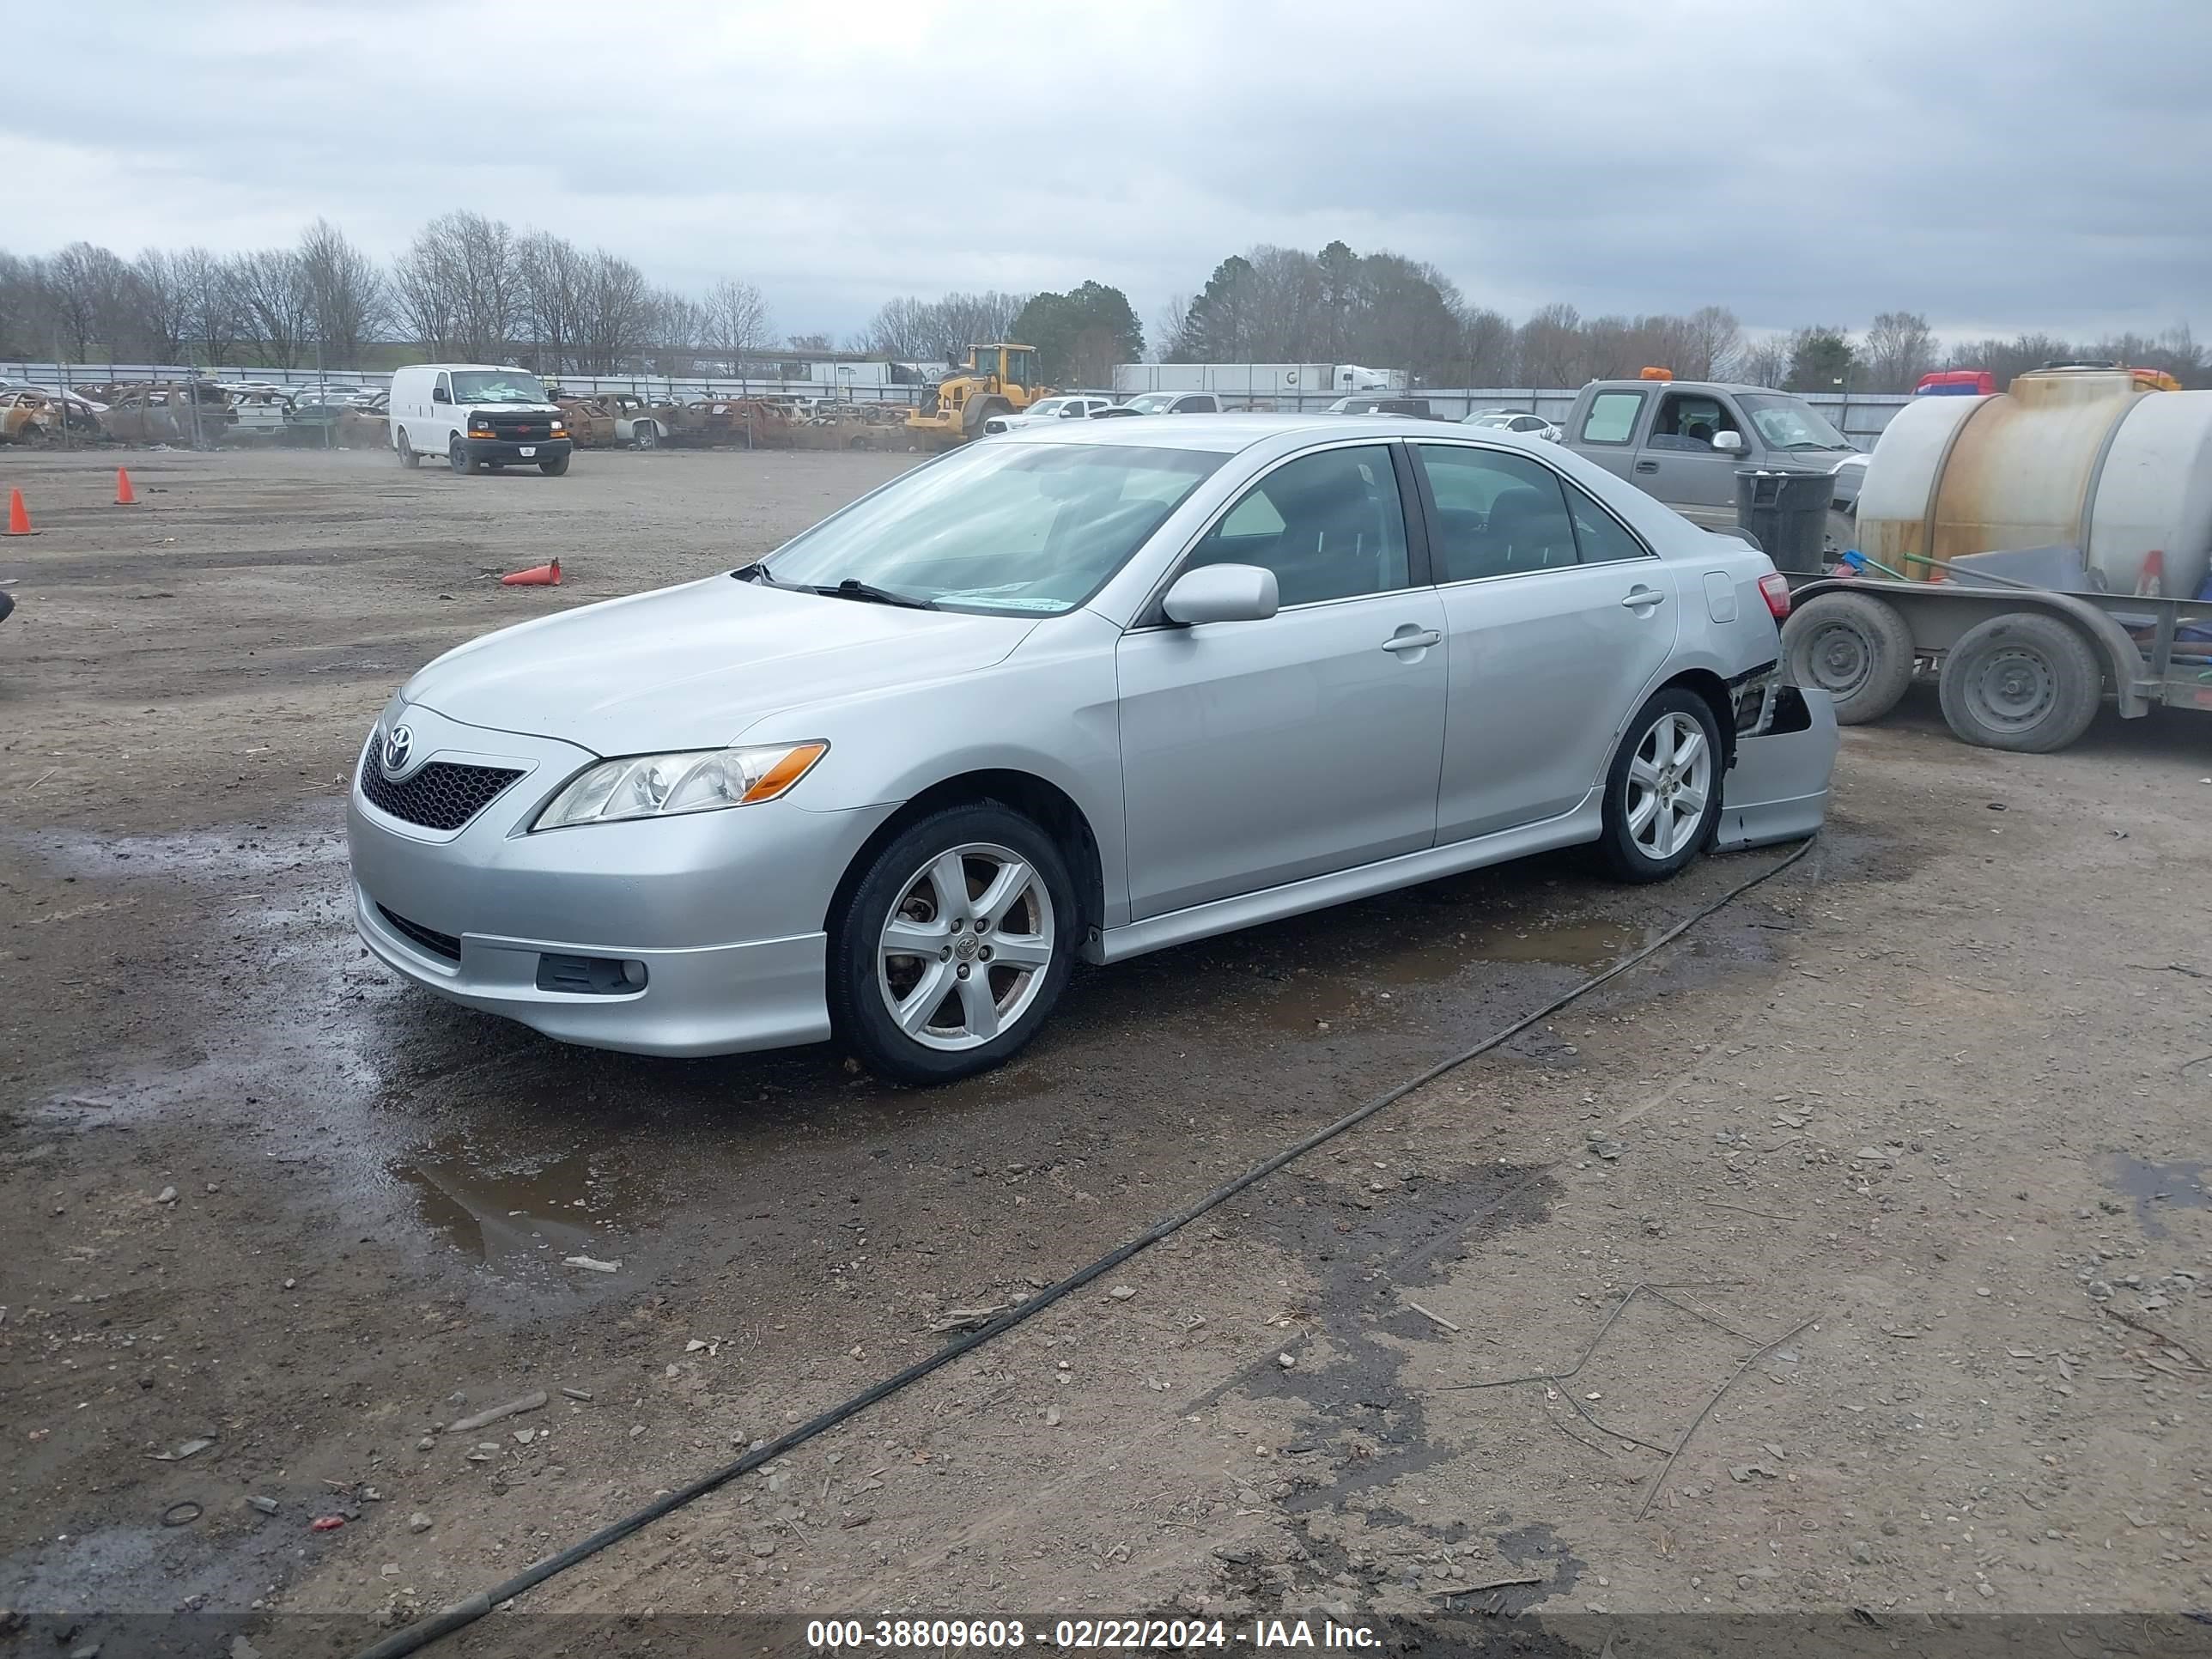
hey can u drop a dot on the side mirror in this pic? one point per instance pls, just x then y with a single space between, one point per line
1222 592
438 395
1729 443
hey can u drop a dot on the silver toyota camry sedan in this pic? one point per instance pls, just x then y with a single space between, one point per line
1071 692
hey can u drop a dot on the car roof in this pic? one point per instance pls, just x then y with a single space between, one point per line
1222 434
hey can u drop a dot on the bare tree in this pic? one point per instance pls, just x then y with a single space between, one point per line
1712 343
21 304
459 285
1488 345
272 291
614 313
213 319
1899 348
347 301
162 302
1767 362
552 273
735 321
1169 325
675 328
88 292
1553 350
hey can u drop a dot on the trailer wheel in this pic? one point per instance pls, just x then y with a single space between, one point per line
2022 681
1855 647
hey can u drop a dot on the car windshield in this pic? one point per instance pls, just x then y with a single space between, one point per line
497 385
1151 402
1013 527
1489 418
1789 423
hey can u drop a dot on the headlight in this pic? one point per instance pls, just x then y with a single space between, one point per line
692 781
558 428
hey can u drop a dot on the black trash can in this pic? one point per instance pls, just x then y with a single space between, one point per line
1787 509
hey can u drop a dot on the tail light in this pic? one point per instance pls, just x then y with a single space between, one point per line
1775 590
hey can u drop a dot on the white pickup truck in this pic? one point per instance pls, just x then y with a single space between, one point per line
1682 441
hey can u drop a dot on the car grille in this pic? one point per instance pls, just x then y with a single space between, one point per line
518 429
437 944
441 796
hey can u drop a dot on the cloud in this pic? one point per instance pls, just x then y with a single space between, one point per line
1998 164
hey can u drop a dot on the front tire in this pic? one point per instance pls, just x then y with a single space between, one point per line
1663 792
954 946
645 435
553 469
457 458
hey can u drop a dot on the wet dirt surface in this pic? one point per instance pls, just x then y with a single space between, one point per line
259 1191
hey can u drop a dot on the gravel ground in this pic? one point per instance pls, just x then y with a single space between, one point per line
1900 1156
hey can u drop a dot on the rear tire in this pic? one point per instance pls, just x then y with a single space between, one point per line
1855 647
2023 681
553 469
645 435
1663 791
408 457
916 1016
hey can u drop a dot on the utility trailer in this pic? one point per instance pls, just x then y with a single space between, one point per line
2022 651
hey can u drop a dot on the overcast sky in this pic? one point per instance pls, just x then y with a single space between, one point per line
1997 164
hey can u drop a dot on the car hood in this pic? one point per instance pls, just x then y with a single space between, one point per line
691 667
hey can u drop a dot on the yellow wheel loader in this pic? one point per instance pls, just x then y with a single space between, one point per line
998 379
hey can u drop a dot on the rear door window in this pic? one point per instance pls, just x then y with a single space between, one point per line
1612 417
1497 514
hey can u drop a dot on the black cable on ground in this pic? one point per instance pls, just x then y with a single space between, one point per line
448 1619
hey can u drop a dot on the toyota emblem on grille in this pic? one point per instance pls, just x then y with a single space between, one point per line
397 747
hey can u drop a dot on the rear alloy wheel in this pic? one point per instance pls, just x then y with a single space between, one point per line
1663 792
955 946
646 435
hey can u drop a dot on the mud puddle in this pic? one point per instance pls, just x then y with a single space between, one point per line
508 1211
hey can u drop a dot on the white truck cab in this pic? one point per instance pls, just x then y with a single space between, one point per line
477 416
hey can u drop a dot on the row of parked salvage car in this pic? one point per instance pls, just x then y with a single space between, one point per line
195 413
603 420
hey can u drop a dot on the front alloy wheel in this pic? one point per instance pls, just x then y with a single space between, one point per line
954 945
964 953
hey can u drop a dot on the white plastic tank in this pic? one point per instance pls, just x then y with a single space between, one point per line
2094 459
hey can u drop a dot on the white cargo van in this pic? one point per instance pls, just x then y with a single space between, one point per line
477 416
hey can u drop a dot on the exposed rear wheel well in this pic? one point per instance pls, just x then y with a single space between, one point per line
1713 689
1046 805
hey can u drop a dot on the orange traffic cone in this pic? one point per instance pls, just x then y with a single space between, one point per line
544 575
19 521
124 495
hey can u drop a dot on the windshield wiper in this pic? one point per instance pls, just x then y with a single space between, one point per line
852 588
755 572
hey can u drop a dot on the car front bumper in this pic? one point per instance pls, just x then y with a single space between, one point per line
508 452
705 931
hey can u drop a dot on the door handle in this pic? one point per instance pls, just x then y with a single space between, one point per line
1647 467
1420 641
1643 599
